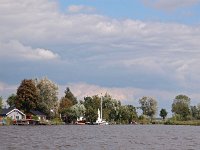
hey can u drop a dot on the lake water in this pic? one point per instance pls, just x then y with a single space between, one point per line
115 137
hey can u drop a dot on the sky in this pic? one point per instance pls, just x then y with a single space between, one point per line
129 48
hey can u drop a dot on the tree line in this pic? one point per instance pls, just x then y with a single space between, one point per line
42 95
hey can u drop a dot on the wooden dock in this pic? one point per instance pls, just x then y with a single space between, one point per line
26 122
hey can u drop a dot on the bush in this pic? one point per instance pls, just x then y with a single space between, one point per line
169 122
8 121
35 118
56 121
144 119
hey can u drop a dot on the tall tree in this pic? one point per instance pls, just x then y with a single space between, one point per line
11 100
65 103
148 106
68 113
92 104
27 95
64 109
127 114
194 112
181 106
198 111
111 108
91 114
69 95
163 113
48 97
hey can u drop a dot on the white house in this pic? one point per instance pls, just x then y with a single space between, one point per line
13 113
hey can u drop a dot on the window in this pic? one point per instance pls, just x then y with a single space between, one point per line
17 117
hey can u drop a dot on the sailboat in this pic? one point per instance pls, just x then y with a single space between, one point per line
100 120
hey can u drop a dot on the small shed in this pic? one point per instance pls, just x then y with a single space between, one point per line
13 113
40 115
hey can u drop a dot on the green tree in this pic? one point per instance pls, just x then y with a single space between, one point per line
69 95
27 95
79 110
48 97
127 114
68 113
198 111
113 111
110 108
91 114
113 116
194 112
92 104
163 113
181 106
132 113
148 106
71 112
12 100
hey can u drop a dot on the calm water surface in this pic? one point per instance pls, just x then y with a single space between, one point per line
115 137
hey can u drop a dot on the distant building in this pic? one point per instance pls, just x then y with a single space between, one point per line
13 113
41 116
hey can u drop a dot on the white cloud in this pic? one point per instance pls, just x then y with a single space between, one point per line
43 54
105 47
170 4
80 9
14 49
136 44
82 90
126 94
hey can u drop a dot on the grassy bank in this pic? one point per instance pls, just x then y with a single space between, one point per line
170 121
190 122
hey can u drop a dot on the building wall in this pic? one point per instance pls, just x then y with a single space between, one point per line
41 118
15 115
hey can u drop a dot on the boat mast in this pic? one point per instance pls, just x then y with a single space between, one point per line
101 109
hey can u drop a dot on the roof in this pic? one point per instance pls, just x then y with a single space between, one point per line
6 111
36 112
